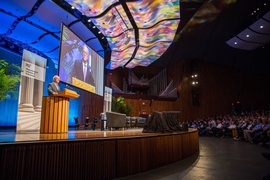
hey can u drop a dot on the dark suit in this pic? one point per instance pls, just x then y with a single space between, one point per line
52 88
77 72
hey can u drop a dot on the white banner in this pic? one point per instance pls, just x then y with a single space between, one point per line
31 91
32 71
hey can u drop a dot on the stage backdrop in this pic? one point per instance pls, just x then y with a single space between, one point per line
31 91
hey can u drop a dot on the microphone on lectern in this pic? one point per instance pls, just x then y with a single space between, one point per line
69 87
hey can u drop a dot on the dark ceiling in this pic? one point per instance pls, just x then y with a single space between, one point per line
206 41
203 33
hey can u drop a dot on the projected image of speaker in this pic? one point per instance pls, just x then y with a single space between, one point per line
79 65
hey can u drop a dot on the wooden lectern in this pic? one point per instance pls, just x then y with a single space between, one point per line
54 114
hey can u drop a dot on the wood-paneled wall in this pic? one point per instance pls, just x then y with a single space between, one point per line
94 159
90 105
219 87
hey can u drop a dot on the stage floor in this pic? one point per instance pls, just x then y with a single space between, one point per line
11 135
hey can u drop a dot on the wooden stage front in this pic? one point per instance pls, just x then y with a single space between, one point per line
87 154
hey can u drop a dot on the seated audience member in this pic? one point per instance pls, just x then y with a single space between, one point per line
241 127
229 128
193 124
266 141
251 125
202 126
262 136
219 129
250 133
209 126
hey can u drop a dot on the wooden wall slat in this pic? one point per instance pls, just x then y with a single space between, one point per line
152 153
60 118
51 114
177 151
144 155
134 156
100 159
122 158
76 161
56 111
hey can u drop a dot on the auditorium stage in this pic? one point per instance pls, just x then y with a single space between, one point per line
84 154
9 135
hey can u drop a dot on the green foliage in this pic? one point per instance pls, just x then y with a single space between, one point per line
9 78
121 106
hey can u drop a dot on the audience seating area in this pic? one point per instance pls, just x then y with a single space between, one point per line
250 126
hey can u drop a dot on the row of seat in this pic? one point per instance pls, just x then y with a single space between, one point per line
119 120
135 122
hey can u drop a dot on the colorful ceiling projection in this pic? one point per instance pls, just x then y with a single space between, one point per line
138 32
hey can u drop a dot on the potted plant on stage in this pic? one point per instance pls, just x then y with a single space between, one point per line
121 106
9 79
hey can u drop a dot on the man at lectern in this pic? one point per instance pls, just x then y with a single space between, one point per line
53 87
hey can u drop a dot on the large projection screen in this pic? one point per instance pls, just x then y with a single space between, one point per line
79 65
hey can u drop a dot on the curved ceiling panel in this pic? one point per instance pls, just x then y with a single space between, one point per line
127 53
235 42
122 41
164 31
113 23
133 28
82 31
6 22
91 7
52 21
257 26
16 7
27 33
54 54
146 55
153 11
253 37
42 44
153 51
116 63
